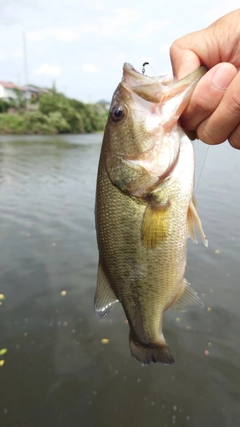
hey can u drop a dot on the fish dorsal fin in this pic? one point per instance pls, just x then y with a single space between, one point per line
155 226
105 298
187 298
194 220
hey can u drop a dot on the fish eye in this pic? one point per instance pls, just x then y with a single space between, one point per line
117 113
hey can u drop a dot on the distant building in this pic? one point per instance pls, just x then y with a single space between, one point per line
33 92
8 90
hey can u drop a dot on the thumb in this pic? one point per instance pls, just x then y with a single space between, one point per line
184 61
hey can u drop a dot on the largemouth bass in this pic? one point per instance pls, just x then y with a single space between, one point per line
145 209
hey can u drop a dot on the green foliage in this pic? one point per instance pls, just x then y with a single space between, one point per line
81 117
56 114
57 121
33 123
4 106
20 100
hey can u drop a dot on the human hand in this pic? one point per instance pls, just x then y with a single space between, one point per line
214 108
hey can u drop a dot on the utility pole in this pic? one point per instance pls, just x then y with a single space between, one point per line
25 65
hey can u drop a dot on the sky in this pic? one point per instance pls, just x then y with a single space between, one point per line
82 45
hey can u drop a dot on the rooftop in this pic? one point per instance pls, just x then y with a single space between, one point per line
10 85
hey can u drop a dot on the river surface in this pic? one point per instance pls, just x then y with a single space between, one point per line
57 372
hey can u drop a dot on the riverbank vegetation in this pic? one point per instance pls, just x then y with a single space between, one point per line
53 114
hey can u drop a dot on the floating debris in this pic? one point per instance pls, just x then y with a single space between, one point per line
217 251
2 297
209 309
63 293
2 363
178 319
206 352
104 341
3 351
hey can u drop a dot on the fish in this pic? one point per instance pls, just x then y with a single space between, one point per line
145 209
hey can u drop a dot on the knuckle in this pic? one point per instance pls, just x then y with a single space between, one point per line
234 138
234 104
208 136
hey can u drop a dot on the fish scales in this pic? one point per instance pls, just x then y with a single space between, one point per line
139 267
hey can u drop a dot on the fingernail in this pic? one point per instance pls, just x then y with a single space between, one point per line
223 76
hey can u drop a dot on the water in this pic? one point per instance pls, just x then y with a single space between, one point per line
57 372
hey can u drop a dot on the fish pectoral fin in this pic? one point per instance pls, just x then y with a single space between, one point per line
187 298
155 226
194 220
105 298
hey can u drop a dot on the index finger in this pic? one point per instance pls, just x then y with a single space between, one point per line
184 61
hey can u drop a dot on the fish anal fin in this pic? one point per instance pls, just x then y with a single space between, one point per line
186 298
105 298
194 220
145 353
155 226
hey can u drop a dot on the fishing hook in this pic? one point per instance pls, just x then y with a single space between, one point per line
143 67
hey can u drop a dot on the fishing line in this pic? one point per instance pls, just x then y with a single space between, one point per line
204 160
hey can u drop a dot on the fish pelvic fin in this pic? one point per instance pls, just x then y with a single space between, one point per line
194 220
155 226
186 298
147 353
105 298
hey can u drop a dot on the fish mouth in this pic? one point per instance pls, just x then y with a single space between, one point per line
148 88
132 71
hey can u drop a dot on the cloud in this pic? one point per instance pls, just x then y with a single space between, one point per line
217 12
89 68
64 34
119 23
36 36
100 6
50 70
18 54
61 34
121 57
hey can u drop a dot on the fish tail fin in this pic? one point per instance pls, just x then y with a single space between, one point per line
158 352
